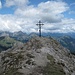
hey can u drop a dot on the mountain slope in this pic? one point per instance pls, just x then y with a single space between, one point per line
39 56
20 36
68 42
6 42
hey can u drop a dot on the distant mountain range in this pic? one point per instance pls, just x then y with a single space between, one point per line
58 35
65 39
24 36
19 36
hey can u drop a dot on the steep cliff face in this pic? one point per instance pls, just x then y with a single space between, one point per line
39 56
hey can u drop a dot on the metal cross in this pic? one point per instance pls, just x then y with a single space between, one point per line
39 24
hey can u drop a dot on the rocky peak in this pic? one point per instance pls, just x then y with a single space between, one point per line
39 56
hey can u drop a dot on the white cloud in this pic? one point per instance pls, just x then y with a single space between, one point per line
50 11
53 7
9 23
17 3
25 18
66 25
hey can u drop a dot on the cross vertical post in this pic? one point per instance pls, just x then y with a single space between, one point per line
39 24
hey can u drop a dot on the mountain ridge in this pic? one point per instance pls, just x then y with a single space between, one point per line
24 37
39 56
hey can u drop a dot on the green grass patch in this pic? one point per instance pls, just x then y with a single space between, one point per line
7 42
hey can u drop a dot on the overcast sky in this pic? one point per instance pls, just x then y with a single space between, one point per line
22 15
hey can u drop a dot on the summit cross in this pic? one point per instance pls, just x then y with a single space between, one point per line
39 24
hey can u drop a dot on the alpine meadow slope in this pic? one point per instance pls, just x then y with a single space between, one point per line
7 42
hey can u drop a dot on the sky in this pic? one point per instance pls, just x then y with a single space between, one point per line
23 15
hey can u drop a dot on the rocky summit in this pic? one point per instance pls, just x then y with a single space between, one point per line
39 56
